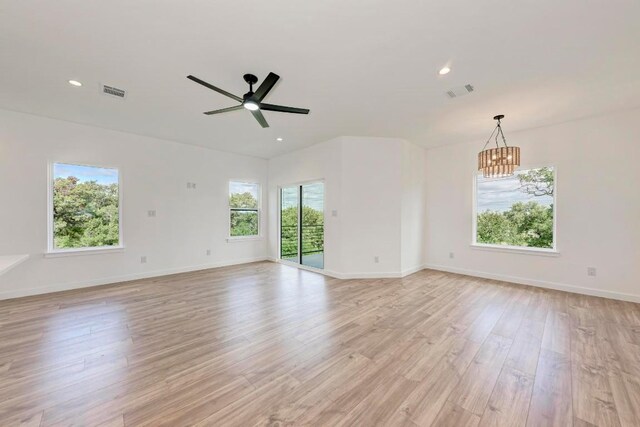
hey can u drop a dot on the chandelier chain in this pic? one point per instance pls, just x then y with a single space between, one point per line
489 140
504 140
498 128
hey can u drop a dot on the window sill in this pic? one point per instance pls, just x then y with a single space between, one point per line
243 239
516 250
84 251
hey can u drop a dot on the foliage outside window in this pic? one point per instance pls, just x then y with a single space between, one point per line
244 209
517 210
85 207
312 221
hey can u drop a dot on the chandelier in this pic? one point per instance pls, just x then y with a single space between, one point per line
500 161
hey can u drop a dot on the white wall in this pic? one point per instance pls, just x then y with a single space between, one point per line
320 162
154 176
363 183
376 185
414 204
598 207
371 203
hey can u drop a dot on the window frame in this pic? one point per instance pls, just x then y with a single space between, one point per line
51 250
258 210
528 250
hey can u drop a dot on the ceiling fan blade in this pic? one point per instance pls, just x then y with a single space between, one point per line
283 109
266 86
212 87
260 118
224 110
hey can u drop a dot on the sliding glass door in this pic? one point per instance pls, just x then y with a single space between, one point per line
289 224
302 224
312 220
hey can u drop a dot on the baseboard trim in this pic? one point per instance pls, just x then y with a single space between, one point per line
337 274
18 293
538 283
348 276
382 275
413 270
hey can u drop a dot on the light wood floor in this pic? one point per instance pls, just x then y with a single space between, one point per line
266 344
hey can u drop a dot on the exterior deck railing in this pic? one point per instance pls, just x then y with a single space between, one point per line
312 240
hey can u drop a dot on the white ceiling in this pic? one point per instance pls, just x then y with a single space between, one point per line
363 67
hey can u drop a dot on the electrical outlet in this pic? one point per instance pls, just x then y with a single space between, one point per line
591 271
334 213
376 259
451 255
208 252
151 214
193 185
143 259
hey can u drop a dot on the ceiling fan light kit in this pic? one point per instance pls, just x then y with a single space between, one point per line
251 100
500 161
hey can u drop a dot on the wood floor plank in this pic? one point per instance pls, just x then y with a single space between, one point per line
454 416
381 405
509 402
625 390
592 396
423 405
477 384
509 323
557 333
250 408
31 421
267 344
332 380
551 401
348 396
525 350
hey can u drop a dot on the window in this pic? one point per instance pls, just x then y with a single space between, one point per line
84 208
517 211
244 209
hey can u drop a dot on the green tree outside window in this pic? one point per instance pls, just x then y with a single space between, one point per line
528 221
85 211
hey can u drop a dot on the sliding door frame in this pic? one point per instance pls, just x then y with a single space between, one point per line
299 185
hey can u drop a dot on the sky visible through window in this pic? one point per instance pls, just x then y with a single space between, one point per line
103 176
243 187
499 194
313 195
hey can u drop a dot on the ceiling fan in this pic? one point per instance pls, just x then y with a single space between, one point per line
251 100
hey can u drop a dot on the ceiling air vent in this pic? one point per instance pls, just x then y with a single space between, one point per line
459 91
114 91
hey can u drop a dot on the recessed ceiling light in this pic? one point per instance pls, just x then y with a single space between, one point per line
279 139
75 83
444 70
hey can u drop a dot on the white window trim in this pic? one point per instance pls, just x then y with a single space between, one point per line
525 250
233 239
51 251
84 251
515 249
